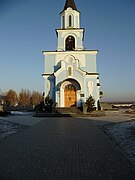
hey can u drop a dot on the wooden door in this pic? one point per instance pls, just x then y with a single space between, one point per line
70 96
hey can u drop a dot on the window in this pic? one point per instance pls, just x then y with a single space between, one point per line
69 71
63 22
70 43
70 20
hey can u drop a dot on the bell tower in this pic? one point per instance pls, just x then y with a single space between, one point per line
70 16
70 35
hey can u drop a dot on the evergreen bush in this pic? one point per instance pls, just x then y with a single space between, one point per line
90 102
49 102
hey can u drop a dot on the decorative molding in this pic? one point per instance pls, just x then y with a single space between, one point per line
91 74
71 52
70 31
47 74
90 87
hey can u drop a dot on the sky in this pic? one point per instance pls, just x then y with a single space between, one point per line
28 27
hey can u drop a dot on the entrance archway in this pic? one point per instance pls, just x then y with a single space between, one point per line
70 95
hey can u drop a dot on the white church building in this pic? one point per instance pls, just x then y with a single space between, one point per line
70 73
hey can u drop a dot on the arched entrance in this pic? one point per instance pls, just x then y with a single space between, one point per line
70 95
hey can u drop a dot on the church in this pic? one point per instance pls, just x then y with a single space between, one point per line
70 73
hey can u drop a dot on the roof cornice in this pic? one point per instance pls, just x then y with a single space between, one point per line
72 52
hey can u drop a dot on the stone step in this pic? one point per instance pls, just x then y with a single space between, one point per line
69 110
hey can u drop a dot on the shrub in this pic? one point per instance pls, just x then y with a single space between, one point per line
49 102
90 102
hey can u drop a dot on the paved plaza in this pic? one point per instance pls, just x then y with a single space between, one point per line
62 148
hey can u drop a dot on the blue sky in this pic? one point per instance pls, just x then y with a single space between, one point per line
28 27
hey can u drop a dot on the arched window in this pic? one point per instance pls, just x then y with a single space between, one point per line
70 43
70 21
69 71
63 22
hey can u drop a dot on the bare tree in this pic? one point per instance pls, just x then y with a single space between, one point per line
25 97
11 98
36 98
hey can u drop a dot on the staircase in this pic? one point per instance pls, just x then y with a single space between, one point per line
73 111
61 112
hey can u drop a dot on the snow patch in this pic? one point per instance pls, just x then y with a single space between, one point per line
8 128
20 113
124 135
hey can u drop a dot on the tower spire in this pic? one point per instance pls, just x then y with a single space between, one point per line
70 3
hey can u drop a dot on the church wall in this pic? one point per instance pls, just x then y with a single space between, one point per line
87 62
90 63
60 42
79 78
92 88
79 41
46 86
49 64
60 78
78 57
51 80
49 86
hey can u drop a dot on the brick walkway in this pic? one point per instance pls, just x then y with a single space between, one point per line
62 148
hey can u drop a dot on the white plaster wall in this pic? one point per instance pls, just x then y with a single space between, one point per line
76 18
